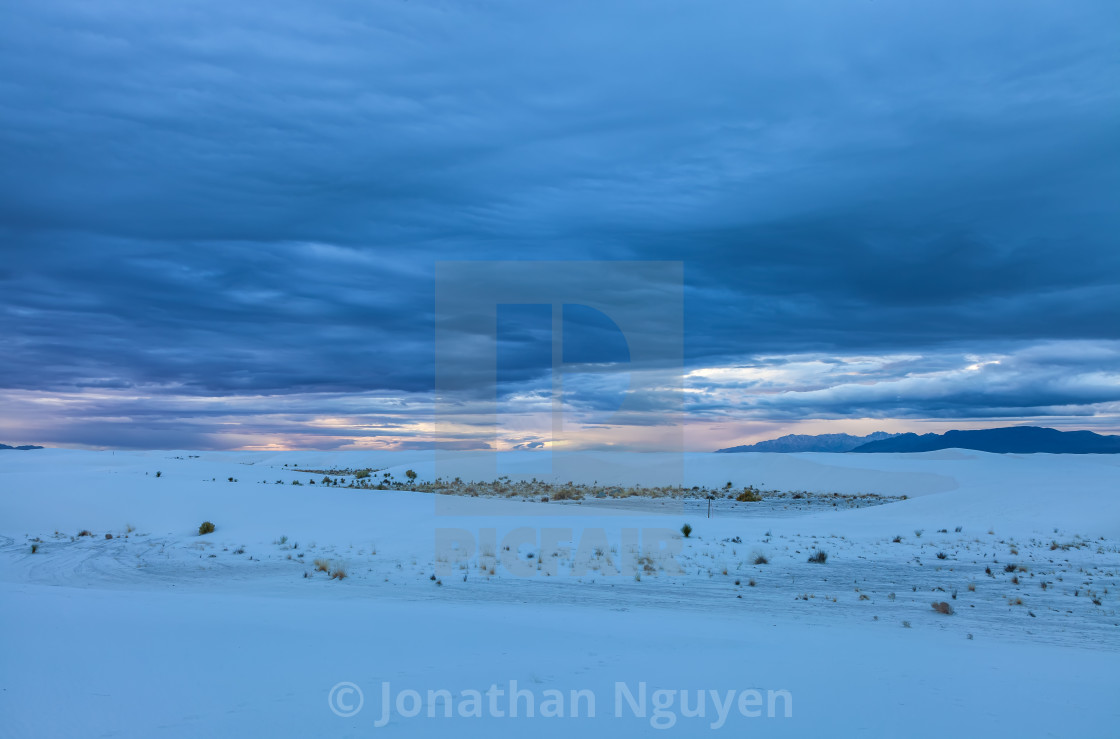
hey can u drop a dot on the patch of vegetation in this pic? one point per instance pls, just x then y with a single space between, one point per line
750 494
761 560
686 530
205 528
942 607
819 557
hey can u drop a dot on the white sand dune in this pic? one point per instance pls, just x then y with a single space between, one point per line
161 632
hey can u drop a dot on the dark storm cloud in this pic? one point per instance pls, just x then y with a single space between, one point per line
238 198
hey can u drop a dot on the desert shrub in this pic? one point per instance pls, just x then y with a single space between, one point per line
362 474
972 587
322 565
205 528
159 474
34 548
1009 568
108 536
686 530
410 474
749 495
942 607
819 557
897 540
339 572
85 532
567 493
942 555
761 560
751 582
959 529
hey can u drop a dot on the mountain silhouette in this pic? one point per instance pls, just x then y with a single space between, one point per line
1009 440
810 443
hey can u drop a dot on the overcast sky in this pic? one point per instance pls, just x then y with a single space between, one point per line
220 221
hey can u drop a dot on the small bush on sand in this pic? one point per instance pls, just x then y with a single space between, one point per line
322 565
362 474
942 607
339 572
34 548
410 474
819 557
750 495
205 528
761 560
108 536
686 530
942 555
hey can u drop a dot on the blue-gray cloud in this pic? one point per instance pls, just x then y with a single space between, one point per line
249 199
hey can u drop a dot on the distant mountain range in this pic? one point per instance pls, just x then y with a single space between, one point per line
809 443
1009 440
24 447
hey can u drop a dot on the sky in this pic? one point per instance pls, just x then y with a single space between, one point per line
221 224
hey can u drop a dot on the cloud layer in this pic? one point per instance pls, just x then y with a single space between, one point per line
214 202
